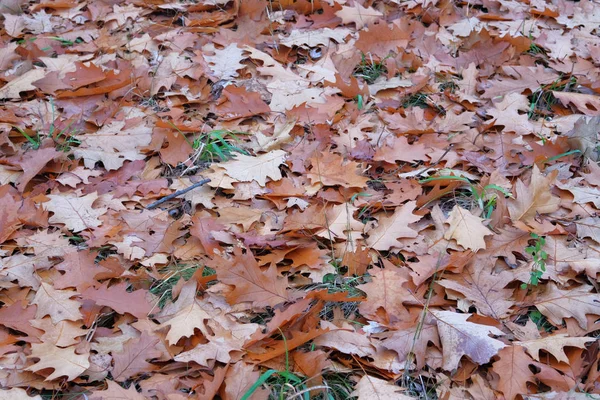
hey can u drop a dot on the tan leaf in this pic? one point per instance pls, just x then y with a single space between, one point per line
554 345
116 391
576 302
584 137
535 198
64 362
22 83
460 337
340 222
113 144
589 227
395 226
370 388
467 229
63 334
133 360
76 212
513 369
479 284
586 103
56 304
247 168
584 194
345 340
17 394
358 15
240 377
224 63
218 348
385 294
314 37
185 322
250 283
245 216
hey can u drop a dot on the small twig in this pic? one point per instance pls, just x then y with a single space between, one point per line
177 193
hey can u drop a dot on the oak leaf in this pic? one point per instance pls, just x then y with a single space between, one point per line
331 169
218 348
380 39
247 168
413 340
370 388
133 360
345 339
119 299
358 15
114 143
240 377
554 345
76 212
56 304
64 362
479 284
116 391
514 372
467 229
393 227
460 337
576 302
533 199
385 294
250 283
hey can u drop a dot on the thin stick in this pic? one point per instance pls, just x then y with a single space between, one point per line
177 193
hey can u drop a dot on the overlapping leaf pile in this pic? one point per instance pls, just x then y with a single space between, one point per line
404 199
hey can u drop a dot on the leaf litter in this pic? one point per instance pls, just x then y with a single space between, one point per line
403 199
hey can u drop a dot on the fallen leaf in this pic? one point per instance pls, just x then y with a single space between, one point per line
247 168
391 228
56 304
369 388
64 362
533 199
460 337
554 344
467 229
513 368
76 212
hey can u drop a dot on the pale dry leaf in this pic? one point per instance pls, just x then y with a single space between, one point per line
370 388
64 362
23 83
467 229
56 304
115 143
358 15
225 62
584 137
554 345
460 337
535 198
586 103
589 227
76 212
314 37
393 227
248 168
17 394
576 302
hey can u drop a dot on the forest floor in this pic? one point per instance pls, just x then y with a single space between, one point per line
403 199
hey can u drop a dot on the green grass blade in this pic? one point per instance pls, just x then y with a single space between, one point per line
445 178
263 378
